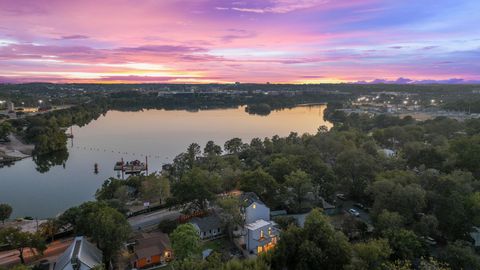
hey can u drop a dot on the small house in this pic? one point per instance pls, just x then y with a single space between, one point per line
151 249
209 227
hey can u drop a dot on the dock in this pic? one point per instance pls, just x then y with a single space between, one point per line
132 167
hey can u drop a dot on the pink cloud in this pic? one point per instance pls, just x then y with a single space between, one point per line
258 41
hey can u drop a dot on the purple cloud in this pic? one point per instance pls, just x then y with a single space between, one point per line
74 37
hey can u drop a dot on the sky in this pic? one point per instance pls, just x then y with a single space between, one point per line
205 41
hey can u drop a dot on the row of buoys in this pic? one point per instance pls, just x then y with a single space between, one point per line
119 152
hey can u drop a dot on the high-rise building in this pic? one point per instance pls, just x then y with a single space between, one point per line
10 106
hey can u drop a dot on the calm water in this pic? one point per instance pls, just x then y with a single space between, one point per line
159 134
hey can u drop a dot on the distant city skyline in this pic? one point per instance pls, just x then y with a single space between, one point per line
205 41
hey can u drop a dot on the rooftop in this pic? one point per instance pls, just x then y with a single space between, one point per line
257 225
82 251
207 223
248 198
149 244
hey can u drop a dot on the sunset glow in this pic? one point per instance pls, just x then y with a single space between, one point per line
203 41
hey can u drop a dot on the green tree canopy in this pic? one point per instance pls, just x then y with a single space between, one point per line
185 242
20 240
5 212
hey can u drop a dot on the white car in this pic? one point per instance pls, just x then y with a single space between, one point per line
354 212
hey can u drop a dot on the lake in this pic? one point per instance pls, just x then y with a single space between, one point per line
159 134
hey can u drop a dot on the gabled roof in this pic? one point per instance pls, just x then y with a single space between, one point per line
248 198
207 223
81 251
150 244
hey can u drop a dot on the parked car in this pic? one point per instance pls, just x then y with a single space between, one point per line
429 240
354 212
341 196
359 205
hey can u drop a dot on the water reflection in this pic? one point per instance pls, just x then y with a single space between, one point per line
45 162
45 186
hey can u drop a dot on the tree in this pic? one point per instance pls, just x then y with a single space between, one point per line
316 246
212 149
230 215
396 191
193 151
197 187
280 167
460 255
50 228
20 240
372 254
298 184
104 224
389 220
467 153
405 244
357 169
260 182
109 229
473 207
17 267
233 146
5 129
185 242
427 225
5 212
154 188
108 189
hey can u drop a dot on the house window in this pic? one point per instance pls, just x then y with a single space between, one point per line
270 231
259 249
218 229
261 234
210 231
254 206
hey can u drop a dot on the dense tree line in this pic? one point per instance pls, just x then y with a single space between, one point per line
419 179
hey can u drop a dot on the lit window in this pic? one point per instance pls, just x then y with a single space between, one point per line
254 206
259 249
269 230
261 234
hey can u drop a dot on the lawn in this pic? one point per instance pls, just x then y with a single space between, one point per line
218 245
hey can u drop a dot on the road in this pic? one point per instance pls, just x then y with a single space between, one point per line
152 219
9 258
364 216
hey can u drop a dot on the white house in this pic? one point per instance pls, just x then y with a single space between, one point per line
260 234
81 255
253 208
